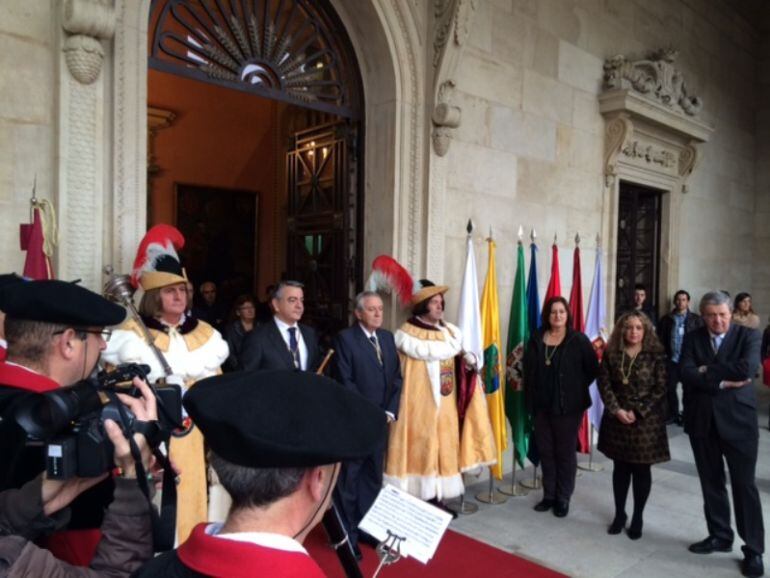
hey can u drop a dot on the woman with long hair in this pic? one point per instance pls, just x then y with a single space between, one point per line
743 312
559 366
632 383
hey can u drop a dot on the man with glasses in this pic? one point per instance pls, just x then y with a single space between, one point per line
55 333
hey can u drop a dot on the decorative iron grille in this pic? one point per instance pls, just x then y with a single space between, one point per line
290 50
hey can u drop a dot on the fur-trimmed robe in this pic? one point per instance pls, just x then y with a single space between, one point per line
428 450
194 350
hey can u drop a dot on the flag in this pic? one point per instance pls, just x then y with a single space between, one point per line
518 335
576 311
493 361
37 264
596 332
554 283
469 322
535 321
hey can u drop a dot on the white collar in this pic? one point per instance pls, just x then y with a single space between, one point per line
282 326
266 539
368 333
3 344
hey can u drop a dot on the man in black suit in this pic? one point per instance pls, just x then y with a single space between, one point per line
283 343
720 416
366 362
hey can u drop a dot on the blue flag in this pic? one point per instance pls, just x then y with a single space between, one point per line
535 322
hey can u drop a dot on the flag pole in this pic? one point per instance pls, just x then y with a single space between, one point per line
462 506
535 483
516 490
590 466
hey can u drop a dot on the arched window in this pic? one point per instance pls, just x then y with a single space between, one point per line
291 50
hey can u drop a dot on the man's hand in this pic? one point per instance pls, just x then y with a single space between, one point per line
144 409
735 384
58 494
626 417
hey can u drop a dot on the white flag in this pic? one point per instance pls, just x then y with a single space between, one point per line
469 317
597 333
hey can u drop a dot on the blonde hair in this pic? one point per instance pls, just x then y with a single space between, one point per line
650 342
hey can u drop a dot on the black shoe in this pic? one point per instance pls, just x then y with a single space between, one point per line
752 565
634 531
617 525
711 544
544 505
560 508
679 420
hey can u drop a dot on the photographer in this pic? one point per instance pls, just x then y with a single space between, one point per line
55 333
39 506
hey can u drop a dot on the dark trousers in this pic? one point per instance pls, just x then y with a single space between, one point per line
673 380
359 483
711 451
622 475
556 439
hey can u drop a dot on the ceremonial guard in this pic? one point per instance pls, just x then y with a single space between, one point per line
441 432
192 349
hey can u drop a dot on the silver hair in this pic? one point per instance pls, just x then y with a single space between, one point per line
714 298
363 296
278 288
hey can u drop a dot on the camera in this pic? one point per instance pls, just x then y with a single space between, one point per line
69 421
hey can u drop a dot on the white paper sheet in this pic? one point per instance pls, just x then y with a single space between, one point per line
421 524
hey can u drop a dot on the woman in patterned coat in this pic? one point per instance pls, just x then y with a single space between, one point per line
632 382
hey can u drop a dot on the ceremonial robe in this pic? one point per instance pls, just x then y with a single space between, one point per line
428 450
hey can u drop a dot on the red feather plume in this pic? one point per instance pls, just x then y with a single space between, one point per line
166 240
388 274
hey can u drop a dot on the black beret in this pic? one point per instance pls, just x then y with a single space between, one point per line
59 302
7 279
280 419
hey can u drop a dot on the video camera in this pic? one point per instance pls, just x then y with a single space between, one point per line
70 420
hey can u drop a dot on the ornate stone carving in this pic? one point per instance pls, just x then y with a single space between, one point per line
446 118
87 22
650 154
655 77
617 133
451 19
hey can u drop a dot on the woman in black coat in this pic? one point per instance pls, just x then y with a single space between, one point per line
559 366
632 383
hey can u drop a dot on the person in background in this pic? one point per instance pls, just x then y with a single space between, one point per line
241 324
743 313
641 303
559 366
210 309
190 290
671 330
632 383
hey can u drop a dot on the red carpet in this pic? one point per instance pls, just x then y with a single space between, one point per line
457 557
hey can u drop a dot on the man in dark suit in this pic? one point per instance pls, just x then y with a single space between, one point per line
720 416
366 362
283 343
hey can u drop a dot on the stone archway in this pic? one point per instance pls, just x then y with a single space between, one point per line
385 39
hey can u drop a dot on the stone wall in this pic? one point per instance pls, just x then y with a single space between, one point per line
27 123
761 269
529 149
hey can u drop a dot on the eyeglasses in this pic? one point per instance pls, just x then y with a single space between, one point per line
105 333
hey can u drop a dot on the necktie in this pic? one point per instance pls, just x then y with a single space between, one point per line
294 346
376 345
716 341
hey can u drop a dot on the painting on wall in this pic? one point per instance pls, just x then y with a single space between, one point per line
220 227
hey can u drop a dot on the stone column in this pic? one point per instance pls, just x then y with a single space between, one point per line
81 138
